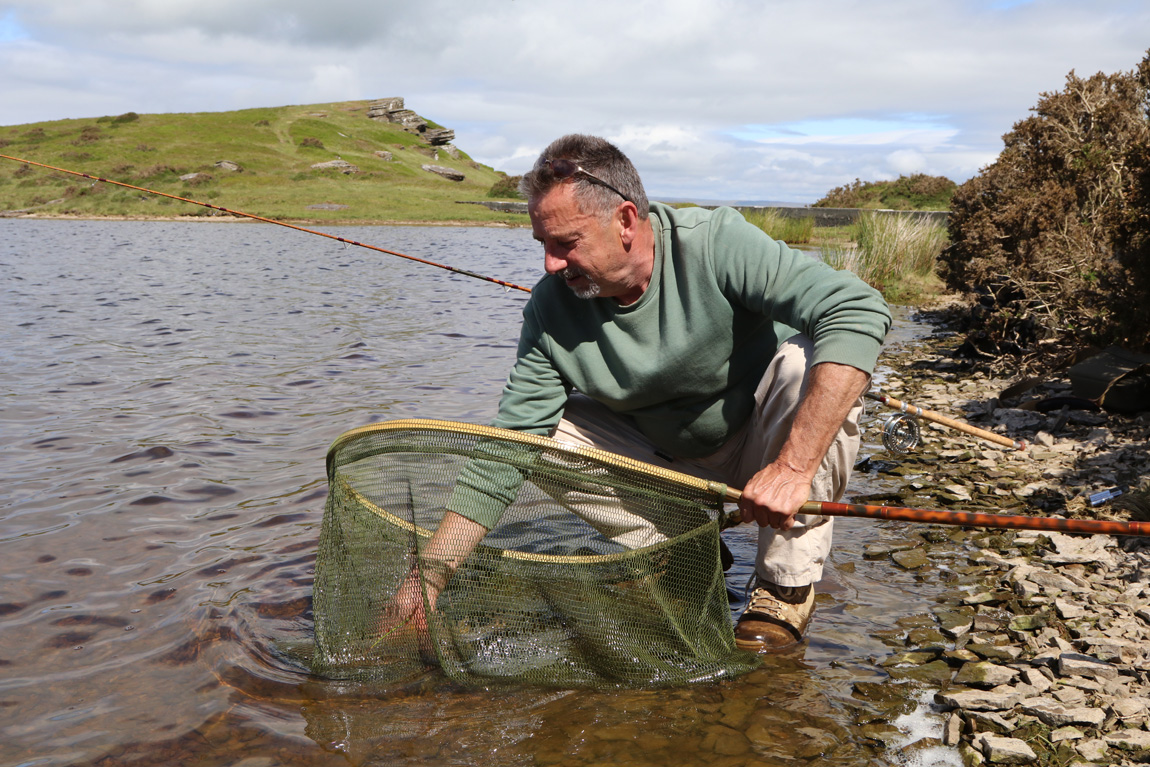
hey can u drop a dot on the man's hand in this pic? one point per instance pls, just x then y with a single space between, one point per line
776 493
455 538
405 612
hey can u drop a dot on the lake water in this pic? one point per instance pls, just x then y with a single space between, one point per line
169 394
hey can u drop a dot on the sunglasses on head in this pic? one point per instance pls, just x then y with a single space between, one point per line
564 169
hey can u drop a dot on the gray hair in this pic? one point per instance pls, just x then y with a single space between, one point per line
598 157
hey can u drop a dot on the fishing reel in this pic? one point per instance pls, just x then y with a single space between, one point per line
901 433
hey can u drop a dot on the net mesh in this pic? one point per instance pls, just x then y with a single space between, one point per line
601 572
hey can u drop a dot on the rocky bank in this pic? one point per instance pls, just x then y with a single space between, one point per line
1040 652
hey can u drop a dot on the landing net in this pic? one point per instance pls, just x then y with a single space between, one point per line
603 571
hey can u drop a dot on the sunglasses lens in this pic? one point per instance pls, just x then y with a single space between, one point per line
563 168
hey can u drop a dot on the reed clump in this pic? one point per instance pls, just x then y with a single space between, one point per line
896 254
793 231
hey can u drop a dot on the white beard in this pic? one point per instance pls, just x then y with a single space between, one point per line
590 291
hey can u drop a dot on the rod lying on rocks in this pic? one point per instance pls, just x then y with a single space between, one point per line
967 518
930 415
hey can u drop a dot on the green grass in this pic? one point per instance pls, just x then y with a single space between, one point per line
277 180
793 231
896 254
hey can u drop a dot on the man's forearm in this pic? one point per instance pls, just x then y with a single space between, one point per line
774 495
456 537
831 392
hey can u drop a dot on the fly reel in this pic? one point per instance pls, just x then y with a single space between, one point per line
901 433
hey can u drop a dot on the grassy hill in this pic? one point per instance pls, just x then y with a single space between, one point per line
275 149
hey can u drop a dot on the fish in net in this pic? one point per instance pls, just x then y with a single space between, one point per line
602 571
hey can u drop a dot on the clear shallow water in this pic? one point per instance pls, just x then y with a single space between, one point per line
169 391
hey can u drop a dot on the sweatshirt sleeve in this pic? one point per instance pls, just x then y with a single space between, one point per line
532 401
845 318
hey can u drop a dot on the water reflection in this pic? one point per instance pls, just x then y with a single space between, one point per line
169 393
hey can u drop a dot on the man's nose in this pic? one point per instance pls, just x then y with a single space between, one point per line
552 263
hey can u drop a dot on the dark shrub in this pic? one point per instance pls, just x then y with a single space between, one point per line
506 186
1053 235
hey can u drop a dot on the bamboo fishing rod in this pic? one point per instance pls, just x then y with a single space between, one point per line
968 518
930 415
254 217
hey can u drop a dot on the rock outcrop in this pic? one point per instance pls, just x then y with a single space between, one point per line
392 110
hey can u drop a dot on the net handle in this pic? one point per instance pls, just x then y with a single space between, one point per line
717 490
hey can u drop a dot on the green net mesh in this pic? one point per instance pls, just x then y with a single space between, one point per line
601 572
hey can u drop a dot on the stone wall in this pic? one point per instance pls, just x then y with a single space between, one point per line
822 216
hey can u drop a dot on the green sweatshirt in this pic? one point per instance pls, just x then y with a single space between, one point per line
685 359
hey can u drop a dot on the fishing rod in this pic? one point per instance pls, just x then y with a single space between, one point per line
968 518
254 217
930 415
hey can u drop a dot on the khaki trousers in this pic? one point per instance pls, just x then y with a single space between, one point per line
792 558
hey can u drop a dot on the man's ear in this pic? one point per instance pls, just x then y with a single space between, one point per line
628 223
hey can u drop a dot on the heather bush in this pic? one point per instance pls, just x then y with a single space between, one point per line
1054 236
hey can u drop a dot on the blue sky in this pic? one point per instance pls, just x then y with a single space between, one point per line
11 29
718 100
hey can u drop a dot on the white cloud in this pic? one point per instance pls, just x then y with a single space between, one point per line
907 161
732 99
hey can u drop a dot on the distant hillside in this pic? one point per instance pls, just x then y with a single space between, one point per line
256 160
917 192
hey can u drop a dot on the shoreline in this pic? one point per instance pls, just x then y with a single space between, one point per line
1039 656
224 218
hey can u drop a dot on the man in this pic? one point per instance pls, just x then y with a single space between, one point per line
687 339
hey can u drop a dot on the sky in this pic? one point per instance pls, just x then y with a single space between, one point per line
726 100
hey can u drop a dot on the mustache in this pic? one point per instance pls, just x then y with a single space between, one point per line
573 272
